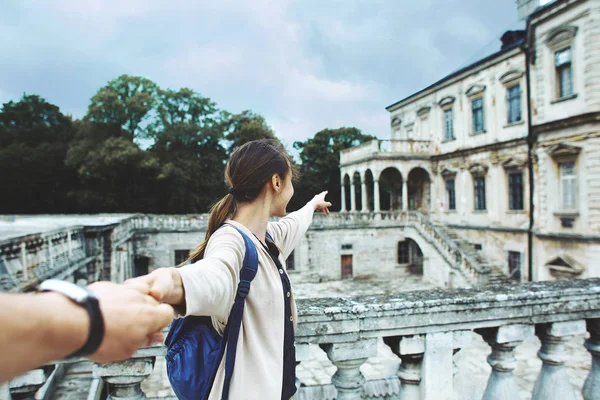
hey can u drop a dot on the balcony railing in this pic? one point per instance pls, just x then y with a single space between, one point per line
385 148
424 330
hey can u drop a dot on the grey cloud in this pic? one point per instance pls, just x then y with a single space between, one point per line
305 65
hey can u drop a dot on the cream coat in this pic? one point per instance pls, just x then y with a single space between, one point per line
210 286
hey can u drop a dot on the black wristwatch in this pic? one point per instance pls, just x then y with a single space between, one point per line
87 300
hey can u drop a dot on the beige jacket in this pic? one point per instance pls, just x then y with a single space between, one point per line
210 287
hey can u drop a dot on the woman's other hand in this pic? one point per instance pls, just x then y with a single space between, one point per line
320 204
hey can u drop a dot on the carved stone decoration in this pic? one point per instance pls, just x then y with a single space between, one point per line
591 388
423 111
563 151
514 163
553 382
475 90
478 169
561 36
447 101
565 267
348 358
503 341
448 174
511 76
396 121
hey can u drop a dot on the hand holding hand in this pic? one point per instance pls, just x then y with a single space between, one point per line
320 204
164 284
132 319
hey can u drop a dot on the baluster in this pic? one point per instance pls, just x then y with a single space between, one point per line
348 357
125 378
591 389
410 350
26 386
553 382
503 340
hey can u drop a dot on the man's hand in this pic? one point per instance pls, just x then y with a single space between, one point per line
132 319
164 284
320 204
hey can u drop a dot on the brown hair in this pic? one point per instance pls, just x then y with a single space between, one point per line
248 170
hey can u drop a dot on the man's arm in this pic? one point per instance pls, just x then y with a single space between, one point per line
40 328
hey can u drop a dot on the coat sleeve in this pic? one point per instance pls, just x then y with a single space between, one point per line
288 231
210 284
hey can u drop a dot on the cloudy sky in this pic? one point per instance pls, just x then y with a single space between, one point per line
305 65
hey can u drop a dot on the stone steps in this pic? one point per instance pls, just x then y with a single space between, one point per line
76 382
496 275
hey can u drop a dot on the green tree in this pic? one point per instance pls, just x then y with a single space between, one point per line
320 164
34 138
188 135
246 127
115 174
126 101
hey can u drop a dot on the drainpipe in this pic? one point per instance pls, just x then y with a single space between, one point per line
530 148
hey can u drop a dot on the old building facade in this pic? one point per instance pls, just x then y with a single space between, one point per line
503 153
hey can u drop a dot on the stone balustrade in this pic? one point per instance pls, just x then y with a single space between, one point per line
424 329
27 260
385 149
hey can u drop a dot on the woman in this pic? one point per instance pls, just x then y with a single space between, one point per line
260 178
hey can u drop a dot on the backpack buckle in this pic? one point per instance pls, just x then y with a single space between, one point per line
243 288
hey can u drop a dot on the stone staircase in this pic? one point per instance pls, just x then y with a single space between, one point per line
75 383
495 276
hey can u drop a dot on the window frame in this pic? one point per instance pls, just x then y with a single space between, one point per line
450 201
178 255
512 119
448 127
574 186
479 199
474 113
404 250
559 68
521 188
511 256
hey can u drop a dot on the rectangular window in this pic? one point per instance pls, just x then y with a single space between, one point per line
479 192
290 264
514 265
477 106
403 252
181 256
564 75
515 190
448 125
450 194
568 186
513 97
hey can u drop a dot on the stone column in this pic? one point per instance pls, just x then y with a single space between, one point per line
343 199
26 386
376 202
364 198
352 197
410 350
404 199
125 378
503 340
591 389
348 357
553 382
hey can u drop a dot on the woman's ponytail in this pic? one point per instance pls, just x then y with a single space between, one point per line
247 171
219 213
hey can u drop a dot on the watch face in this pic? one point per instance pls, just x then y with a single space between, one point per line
74 292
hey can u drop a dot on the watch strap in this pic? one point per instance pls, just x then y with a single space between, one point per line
96 332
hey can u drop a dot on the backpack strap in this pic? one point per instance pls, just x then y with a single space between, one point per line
232 331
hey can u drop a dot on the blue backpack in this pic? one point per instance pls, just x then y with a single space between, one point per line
195 349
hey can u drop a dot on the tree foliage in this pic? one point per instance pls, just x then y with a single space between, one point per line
34 137
141 148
